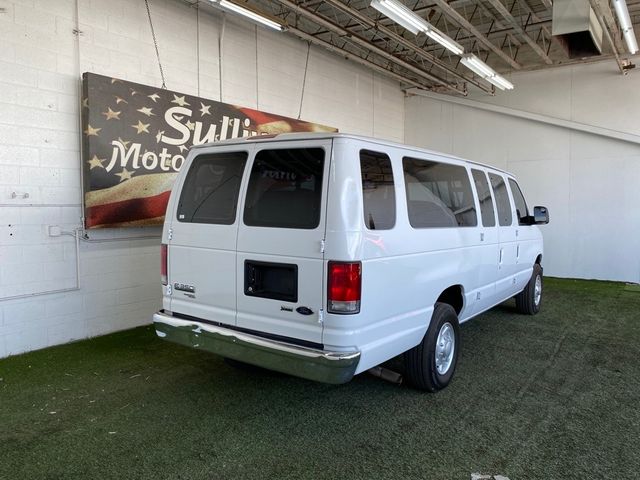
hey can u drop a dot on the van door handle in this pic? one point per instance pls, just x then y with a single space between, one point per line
501 252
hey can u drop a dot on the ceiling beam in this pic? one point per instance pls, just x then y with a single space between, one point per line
369 22
328 24
607 16
464 23
595 4
543 27
502 10
355 58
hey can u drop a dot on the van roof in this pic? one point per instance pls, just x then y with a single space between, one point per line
331 135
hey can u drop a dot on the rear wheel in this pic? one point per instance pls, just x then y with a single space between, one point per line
529 300
430 364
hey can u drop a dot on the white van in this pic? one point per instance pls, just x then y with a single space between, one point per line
324 255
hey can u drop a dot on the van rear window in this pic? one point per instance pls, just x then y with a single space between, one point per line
210 191
285 189
438 194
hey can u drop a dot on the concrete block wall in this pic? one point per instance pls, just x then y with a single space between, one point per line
589 182
45 45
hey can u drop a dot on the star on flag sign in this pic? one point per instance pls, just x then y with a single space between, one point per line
141 127
95 162
110 114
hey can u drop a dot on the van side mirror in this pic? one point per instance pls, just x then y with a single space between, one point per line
540 215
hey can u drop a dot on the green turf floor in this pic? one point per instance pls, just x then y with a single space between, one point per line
556 396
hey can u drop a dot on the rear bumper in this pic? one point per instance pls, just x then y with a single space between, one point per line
319 365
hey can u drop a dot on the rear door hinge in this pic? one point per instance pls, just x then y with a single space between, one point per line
321 246
321 316
170 234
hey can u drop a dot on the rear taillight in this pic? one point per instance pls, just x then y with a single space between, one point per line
163 263
344 282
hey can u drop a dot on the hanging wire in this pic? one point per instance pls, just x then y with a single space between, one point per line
155 44
304 79
198 43
257 74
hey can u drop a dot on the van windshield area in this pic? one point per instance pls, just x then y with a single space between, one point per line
285 189
210 191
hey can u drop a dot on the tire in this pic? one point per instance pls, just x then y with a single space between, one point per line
421 369
529 300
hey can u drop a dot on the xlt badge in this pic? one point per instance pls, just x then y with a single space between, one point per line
184 287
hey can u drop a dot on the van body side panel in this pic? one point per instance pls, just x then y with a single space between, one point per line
404 269
294 253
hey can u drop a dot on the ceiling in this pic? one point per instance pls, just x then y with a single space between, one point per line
509 35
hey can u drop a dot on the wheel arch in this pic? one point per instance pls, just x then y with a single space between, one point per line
454 296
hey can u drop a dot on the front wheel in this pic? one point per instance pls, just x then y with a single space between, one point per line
529 300
430 364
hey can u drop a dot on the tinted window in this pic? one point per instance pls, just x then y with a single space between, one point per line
379 196
210 191
484 196
502 199
285 189
438 194
518 199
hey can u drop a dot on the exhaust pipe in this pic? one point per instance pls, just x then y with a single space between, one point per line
386 374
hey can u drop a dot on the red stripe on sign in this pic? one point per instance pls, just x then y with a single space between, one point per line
128 210
260 118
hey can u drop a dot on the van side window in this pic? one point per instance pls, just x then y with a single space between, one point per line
210 191
502 199
378 191
285 188
438 194
518 199
484 196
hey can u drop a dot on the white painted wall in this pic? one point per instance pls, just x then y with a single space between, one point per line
40 64
590 183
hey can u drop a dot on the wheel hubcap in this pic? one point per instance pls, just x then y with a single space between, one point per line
445 348
537 291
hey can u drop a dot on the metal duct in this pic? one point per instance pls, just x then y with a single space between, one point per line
577 27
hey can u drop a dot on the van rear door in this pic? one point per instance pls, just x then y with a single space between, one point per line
203 234
280 258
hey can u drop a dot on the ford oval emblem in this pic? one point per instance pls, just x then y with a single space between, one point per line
304 310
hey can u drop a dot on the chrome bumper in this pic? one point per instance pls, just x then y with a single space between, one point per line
319 365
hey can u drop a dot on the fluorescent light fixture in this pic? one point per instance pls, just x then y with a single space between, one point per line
625 24
447 42
250 14
485 71
500 82
399 13
404 16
